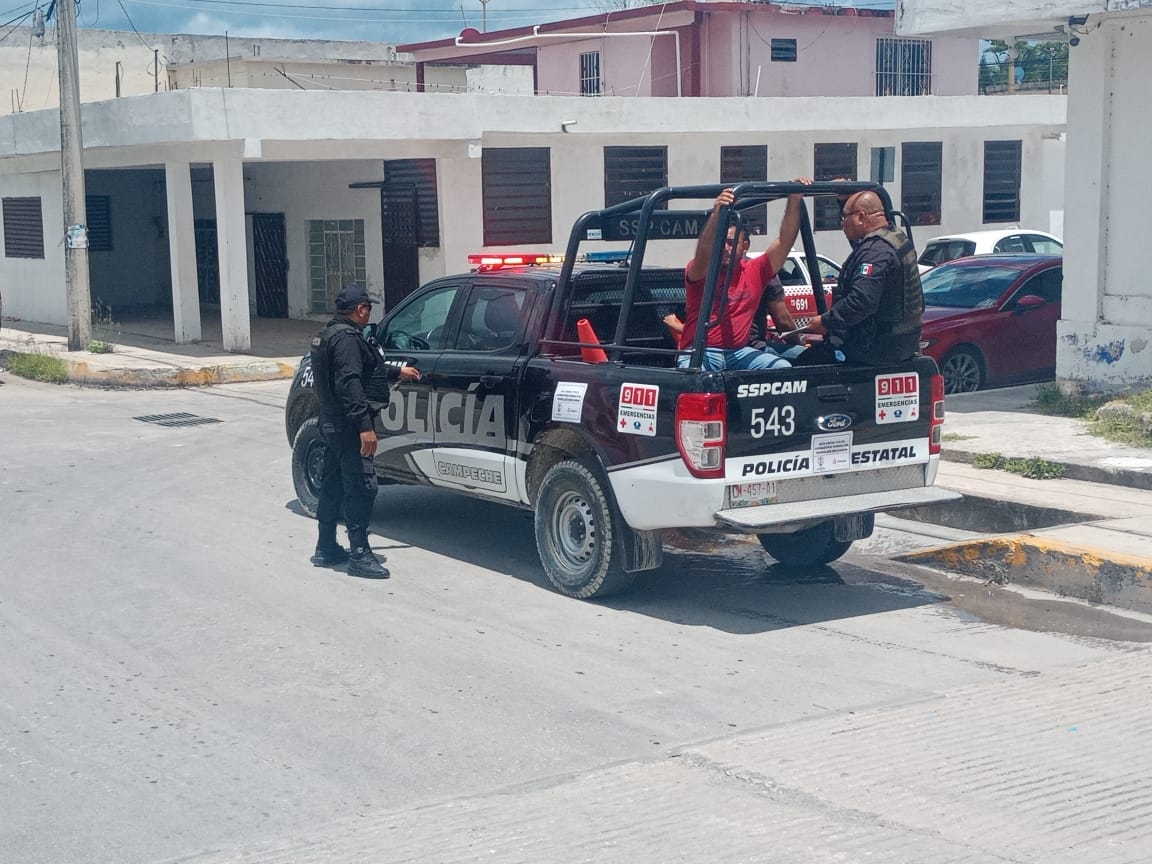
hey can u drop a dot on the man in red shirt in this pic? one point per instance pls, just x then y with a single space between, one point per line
727 342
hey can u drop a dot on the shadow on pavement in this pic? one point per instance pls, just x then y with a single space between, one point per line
726 583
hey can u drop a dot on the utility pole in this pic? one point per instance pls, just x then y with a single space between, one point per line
72 172
484 3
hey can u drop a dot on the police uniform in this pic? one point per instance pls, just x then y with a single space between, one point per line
878 305
343 365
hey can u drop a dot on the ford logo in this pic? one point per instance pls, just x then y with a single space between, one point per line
834 422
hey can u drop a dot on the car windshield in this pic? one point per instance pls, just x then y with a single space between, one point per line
967 287
938 252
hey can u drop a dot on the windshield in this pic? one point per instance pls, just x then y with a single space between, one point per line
946 250
967 287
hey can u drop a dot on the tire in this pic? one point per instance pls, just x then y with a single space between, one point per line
963 371
307 464
811 547
577 535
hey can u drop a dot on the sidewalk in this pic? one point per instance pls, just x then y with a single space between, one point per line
1088 534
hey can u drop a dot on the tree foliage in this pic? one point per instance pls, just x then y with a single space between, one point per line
1038 65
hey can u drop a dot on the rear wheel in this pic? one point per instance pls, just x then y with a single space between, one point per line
308 465
962 370
577 536
810 547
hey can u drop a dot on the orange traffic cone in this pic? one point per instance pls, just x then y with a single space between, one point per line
587 334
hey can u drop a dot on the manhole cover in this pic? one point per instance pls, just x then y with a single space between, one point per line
180 419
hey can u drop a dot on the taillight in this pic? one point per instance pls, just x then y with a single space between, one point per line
936 425
701 432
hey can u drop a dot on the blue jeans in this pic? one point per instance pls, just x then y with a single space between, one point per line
717 359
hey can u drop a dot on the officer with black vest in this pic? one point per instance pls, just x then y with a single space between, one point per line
343 363
877 308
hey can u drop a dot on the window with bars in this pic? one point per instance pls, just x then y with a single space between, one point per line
419 176
633 171
517 193
920 180
1001 181
883 164
99 213
831 162
23 228
335 259
783 50
590 73
903 67
746 164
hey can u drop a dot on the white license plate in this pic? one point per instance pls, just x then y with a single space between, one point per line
752 494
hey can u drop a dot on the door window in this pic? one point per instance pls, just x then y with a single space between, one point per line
1046 285
491 319
420 324
1015 243
1044 245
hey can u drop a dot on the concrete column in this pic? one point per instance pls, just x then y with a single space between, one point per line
235 321
182 252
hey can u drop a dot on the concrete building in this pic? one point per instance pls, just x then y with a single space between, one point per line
240 202
1105 335
718 48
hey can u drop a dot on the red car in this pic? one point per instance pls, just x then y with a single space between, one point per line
990 320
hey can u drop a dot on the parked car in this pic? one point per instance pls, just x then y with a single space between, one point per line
940 250
798 284
991 319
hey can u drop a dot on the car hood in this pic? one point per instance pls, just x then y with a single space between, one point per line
936 313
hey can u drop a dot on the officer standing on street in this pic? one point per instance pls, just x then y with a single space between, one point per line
877 308
343 362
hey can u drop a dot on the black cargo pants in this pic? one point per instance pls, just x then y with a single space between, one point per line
345 480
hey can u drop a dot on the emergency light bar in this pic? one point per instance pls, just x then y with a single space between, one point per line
494 261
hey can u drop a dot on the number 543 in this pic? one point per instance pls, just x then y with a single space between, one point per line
782 421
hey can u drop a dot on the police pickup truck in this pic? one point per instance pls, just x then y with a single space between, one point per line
553 386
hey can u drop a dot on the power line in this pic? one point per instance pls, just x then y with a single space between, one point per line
337 7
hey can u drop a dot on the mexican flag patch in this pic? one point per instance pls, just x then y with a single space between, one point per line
865 269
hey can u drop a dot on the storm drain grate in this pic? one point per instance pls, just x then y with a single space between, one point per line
181 419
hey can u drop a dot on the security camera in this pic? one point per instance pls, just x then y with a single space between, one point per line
1074 41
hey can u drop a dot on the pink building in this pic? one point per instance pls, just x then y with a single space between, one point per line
696 48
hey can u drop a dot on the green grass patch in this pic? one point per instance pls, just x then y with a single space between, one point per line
99 346
38 367
956 436
1034 468
1050 399
1127 420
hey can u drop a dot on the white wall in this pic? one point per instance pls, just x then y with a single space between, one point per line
34 287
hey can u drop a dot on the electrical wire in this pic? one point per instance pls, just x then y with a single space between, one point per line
133 26
335 6
27 66
15 22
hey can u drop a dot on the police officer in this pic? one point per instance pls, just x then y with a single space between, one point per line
343 362
878 305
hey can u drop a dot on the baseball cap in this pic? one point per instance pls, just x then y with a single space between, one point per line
351 296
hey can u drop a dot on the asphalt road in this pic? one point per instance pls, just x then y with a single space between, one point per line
178 682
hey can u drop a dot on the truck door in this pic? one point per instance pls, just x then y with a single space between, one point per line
414 333
476 393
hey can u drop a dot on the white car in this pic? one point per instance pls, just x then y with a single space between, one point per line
939 250
797 283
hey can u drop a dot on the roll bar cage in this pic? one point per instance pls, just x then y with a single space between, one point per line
648 217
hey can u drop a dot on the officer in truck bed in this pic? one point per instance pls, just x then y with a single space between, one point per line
877 307
343 363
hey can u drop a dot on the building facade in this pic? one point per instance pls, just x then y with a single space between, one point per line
1103 338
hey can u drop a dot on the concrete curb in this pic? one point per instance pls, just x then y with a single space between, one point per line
82 372
1095 575
1072 471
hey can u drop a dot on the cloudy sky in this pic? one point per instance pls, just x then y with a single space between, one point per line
376 20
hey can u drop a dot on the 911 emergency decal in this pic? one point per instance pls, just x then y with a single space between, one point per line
636 414
829 454
898 398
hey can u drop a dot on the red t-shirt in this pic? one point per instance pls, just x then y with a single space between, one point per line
732 331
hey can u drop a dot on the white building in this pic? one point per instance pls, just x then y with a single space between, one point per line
249 202
1105 335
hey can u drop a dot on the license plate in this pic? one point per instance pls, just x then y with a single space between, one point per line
752 494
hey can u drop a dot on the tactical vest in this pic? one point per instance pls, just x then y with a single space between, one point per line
901 313
322 370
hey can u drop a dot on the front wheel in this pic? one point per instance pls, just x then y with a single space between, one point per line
576 534
308 465
962 371
811 547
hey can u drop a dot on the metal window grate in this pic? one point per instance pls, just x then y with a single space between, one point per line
1002 181
23 228
633 171
516 185
178 419
903 67
590 73
783 50
831 162
740 164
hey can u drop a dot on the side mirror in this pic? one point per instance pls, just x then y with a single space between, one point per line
1029 301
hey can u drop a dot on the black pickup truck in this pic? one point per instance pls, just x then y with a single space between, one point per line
607 441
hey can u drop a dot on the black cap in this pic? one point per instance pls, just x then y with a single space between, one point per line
351 296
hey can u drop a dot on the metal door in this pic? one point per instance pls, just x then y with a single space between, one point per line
271 253
400 226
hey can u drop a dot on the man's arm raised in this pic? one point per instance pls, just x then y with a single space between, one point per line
698 267
779 248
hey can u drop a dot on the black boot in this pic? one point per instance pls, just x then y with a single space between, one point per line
329 553
361 560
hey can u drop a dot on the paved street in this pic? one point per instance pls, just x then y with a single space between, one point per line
179 684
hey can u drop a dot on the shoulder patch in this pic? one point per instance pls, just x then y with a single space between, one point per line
865 269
